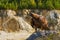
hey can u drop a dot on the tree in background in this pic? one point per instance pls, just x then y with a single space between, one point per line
56 4
23 4
49 4
40 4
8 4
2 4
29 4
11 5
32 4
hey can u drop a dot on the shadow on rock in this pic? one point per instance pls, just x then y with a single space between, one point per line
40 34
34 36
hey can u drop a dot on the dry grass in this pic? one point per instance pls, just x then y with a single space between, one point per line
10 26
13 25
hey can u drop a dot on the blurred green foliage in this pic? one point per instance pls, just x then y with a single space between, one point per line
29 4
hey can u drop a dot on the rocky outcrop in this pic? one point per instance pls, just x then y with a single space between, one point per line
25 14
19 22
